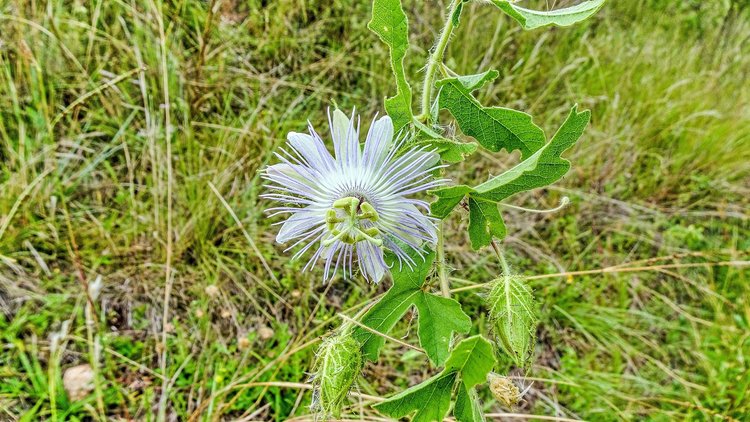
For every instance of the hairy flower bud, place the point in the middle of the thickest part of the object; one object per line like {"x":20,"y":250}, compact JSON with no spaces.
{"x":513,"y":316}
{"x":503,"y":390}
{"x":338,"y":363}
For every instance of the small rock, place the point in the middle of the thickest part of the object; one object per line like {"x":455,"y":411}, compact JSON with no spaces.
{"x":265,"y":333}
{"x":212,"y":290}
{"x":243,"y":343}
{"x":78,"y":381}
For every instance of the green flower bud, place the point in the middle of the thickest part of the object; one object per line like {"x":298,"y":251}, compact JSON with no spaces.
{"x":338,"y":363}
{"x":513,"y":316}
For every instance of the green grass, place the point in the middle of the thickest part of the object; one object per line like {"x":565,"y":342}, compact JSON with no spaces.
{"x":98,"y":98}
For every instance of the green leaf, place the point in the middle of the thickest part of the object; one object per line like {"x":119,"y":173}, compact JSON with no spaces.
{"x":495,"y":128}
{"x":469,"y":363}
{"x":437,"y":317}
{"x":514,"y":318}
{"x":541,"y":169}
{"x":389,"y":22}
{"x":431,"y":399}
{"x":531,"y":19}
{"x":467,"y":408}
{"x":425,"y":131}
{"x":473,"y":358}
{"x":471,"y":83}
{"x":456,"y":16}
{"x":448,"y":198}
{"x":450,"y":151}
{"x":485,"y":223}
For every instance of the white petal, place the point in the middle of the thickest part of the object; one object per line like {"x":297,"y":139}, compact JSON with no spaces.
{"x":371,"y":261}
{"x":300,"y":223}
{"x":345,"y":139}
{"x":311,"y":149}
{"x":295,"y":179}
{"x":379,"y":142}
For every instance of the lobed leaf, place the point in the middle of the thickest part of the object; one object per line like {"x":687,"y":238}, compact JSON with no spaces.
{"x":495,"y":128}
{"x":468,"y":365}
{"x":532,"y":19}
{"x":447,"y":199}
{"x":456,"y":16}
{"x":545,"y":167}
{"x":485,"y":223}
{"x":473,"y":358}
{"x":450,"y":151}
{"x":437,"y":317}
{"x":467,"y":408}
{"x":389,"y":22}
{"x":542,"y":168}
{"x":471,"y":83}
{"x":431,"y":400}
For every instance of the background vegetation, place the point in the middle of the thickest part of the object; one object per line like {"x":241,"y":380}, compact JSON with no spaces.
{"x":132,"y":132}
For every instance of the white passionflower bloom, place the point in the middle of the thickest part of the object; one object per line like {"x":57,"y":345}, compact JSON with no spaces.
{"x":356,"y":202}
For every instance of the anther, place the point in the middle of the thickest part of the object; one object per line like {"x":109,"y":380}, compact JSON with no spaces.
{"x":348,"y":204}
{"x":368,"y":212}
{"x":364,"y":236}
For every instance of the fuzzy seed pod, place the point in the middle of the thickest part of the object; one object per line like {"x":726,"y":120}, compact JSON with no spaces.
{"x":513,"y":316}
{"x":338,"y":363}
{"x":504,"y":390}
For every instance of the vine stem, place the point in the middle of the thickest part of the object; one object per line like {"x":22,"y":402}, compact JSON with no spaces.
{"x":433,"y":63}
{"x":436,"y":59}
{"x":442,"y":269}
{"x":501,"y":257}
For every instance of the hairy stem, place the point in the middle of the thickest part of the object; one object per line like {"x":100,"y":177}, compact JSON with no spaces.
{"x":442,"y":269}
{"x":434,"y":63}
{"x":436,"y":60}
{"x":501,"y":257}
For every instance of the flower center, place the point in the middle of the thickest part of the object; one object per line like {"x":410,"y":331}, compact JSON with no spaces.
{"x":347,"y":219}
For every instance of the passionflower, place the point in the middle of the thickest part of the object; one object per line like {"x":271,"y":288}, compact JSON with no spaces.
{"x":357,"y":203}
